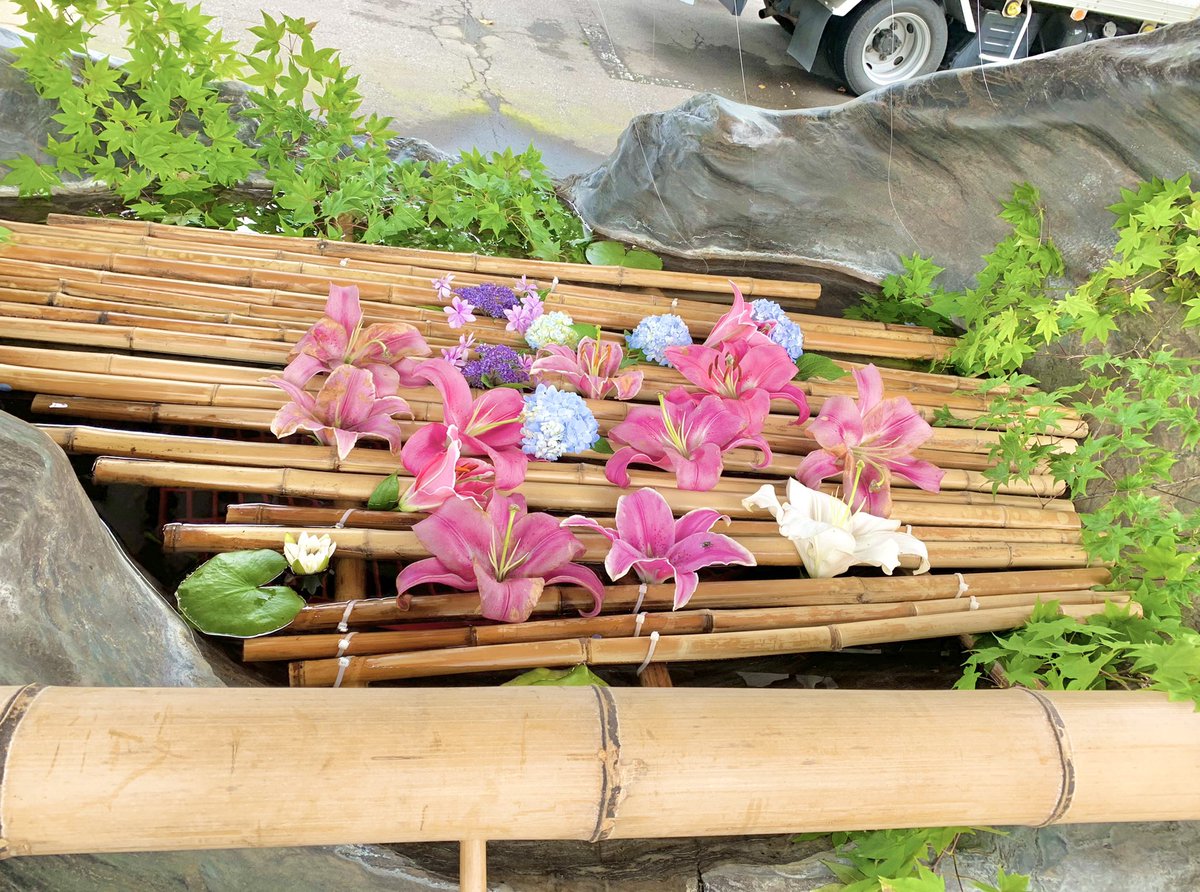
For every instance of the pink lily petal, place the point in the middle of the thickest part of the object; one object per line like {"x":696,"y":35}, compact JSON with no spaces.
{"x":510,"y":466}
{"x":708,"y":549}
{"x":872,"y":494}
{"x":797,"y":398}
{"x":616,"y":469}
{"x":870,"y":388}
{"x":622,"y":556}
{"x":628,"y":384}
{"x":701,"y":472}
{"x":685,"y":586}
{"x":303,"y":368}
{"x":574,"y":574}
{"x":839,"y":423}
{"x":816,"y":466}
{"x":456,"y":532}
{"x":652,"y":571}
{"x":291,"y":418}
{"x":548,"y":544}
{"x":424,"y":447}
{"x":507,"y":601}
{"x":645,"y":521}
{"x":343,"y":307}
{"x":922,"y":474}
{"x":431,"y":570}
{"x":578,"y":520}
{"x":737,"y":324}
{"x":344,"y":440}
{"x":894,"y":426}
{"x":698,"y":520}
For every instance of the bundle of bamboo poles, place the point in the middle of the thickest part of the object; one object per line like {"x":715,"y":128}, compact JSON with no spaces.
{"x":147,"y":327}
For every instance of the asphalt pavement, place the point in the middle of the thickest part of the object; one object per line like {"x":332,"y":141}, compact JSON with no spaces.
{"x":566,"y":75}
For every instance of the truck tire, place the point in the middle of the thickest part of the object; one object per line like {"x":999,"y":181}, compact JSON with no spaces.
{"x":890,"y":41}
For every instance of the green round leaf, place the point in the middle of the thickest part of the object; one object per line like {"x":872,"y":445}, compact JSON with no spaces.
{"x":642,"y":260}
{"x":223,"y":596}
{"x":606,"y":254}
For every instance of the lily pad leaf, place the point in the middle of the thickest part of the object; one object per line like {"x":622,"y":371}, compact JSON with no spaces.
{"x":606,"y":254}
{"x":579,"y":676}
{"x":227,"y":595}
{"x":642,"y":260}
{"x":812,"y":365}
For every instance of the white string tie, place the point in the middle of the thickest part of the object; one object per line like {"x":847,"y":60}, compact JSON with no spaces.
{"x":963,"y":588}
{"x":649,"y":653}
{"x":909,"y":529}
{"x":974,"y":603}
{"x":674,"y":302}
{"x":344,"y":625}
{"x":345,"y":517}
{"x":641,"y":597}
{"x":638,"y":621}
{"x":344,"y":644}
{"x":343,"y":662}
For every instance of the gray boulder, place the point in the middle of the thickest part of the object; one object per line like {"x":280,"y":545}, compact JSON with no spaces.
{"x":840,"y":193}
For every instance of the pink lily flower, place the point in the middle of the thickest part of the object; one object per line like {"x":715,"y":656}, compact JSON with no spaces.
{"x":738,"y":324}
{"x":593,"y":369}
{"x":657,"y":547}
{"x":344,"y":410}
{"x":867,"y":443}
{"x":339,"y":338}
{"x":747,"y":375}
{"x":687,"y":434}
{"x":446,"y":477}
{"x":506,"y":554}
{"x":459,"y":312}
{"x":488,"y":426}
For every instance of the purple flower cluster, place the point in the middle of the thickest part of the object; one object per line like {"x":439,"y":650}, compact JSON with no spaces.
{"x":497,"y":364}
{"x":489,"y":298}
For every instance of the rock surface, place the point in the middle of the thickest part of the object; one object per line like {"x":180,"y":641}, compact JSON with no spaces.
{"x":917,"y":167}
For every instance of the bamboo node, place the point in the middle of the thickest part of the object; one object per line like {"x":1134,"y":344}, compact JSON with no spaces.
{"x":609,"y":755}
{"x":1058,"y":727}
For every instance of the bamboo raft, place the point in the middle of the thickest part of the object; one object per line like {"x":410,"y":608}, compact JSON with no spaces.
{"x":129,"y":338}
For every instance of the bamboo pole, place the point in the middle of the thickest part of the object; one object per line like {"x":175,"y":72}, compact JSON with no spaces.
{"x":558,"y":600}
{"x":683,"y":622}
{"x":101,"y":441}
{"x":668,"y":649}
{"x":265,"y":514}
{"x":124,"y":769}
{"x":581,"y":498}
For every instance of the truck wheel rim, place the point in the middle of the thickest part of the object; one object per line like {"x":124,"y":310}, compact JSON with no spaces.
{"x":897,"y":48}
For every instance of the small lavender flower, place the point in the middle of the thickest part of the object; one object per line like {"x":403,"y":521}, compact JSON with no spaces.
{"x":551,"y":328}
{"x":556,"y":422}
{"x":443,"y":286}
{"x":489,"y":298}
{"x":779,"y":328}
{"x":459,"y":313}
{"x":457,"y":355}
{"x":526,"y":288}
{"x":654,"y":334}
{"x":522,"y":316}
{"x":497,"y":364}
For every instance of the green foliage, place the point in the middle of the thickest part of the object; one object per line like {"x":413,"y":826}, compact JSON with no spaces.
{"x":906,"y":298}
{"x":902,"y":860}
{"x":157,"y":130}
{"x":577,"y":676}
{"x":614,"y":254}
{"x":385,"y":496}
{"x":813,"y":365}
{"x":228,"y":595}
{"x":1141,"y":408}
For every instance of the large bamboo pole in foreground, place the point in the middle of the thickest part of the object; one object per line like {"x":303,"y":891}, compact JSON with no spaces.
{"x":125,"y":769}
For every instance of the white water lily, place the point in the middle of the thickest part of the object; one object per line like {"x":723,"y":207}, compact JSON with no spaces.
{"x":310,"y":555}
{"x":830,"y":538}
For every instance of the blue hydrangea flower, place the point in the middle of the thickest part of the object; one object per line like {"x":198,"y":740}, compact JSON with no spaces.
{"x":551,"y":328}
{"x":556,"y":422}
{"x":497,"y":364}
{"x":489,"y":298}
{"x":783,"y":331}
{"x":655,"y":334}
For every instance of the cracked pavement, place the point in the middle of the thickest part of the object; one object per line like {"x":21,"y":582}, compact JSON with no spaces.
{"x":567,"y":75}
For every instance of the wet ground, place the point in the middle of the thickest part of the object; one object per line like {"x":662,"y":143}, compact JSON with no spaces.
{"x":565,"y":74}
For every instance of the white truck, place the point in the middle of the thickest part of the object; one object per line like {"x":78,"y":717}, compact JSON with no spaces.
{"x":873,"y":43}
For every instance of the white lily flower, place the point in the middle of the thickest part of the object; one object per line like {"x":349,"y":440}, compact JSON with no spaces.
{"x":310,"y":555}
{"x":830,"y":538}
